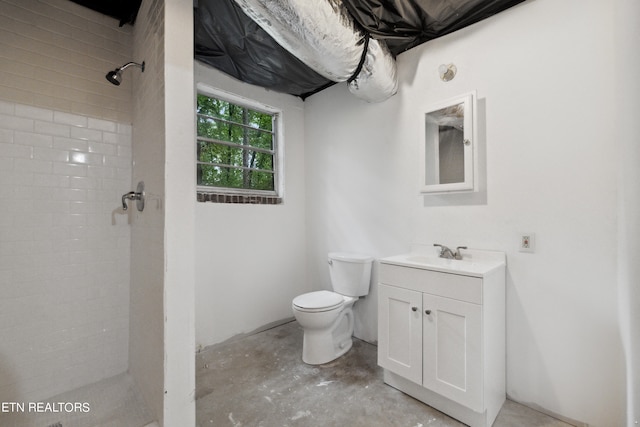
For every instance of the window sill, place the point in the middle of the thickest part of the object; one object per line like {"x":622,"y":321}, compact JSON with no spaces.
{"x":249,"y":199}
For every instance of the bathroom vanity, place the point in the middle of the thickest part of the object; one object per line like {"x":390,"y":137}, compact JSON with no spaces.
{"x":441,"y":331}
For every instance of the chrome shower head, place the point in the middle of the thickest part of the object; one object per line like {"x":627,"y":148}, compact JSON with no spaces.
{"x":115,"y":76}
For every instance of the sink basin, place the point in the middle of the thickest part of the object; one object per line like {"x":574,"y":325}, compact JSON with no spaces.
{"x":434,"y":260}
{"x":473,"y":263}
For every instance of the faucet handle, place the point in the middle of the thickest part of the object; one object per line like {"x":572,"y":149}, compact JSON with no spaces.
{"x":130,"y":196}
{"x":458,"y":255}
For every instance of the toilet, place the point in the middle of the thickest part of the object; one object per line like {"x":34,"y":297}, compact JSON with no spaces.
{"x":327,"y":317}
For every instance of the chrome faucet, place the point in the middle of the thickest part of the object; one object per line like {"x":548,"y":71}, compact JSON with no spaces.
{"x":137,"y":195}
{"x":131,"y":195}
{"x":445,"y":252}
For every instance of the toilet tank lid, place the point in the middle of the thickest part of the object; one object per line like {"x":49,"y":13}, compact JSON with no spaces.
{"x":350,"y":257}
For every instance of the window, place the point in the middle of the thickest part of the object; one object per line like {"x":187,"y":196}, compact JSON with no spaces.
{"x":236,"y":149}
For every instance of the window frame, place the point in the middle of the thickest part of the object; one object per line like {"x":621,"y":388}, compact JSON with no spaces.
{"x":251,"y":104}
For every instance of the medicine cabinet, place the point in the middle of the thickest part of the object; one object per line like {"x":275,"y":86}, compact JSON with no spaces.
{"x":447,"y":146}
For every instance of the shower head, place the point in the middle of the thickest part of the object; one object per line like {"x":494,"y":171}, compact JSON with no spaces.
{"x":115,"y":76}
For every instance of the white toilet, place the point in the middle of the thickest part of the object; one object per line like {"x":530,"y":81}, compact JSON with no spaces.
{"x":327,"y":317}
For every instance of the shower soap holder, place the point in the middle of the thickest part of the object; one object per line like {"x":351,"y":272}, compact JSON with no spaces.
{"x":137,"y":195}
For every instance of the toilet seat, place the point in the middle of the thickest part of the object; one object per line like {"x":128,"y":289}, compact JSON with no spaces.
{"x":318,"y":301}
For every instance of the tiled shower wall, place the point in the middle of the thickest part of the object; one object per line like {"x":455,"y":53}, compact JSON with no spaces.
{"x":64,"y":250}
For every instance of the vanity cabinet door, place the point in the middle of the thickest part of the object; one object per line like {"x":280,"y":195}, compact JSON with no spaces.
{"x":452,"y":365}
{"x":400,"y":331}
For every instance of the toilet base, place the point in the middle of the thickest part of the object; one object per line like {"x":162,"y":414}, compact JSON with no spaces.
{"x":317,"y":351}
{"x":324,"y":346}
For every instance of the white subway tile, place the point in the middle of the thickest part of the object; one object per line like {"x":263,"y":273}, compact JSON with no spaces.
{"x":117,"y":162}
{"x":79,"y":182}
{"x":11,"y":234}
{"x":79,"y":257}
{"x":6,"y":136}
{"x":116,"y":138}
{"x":69,"y":219}
{"x":102,"y":195}
{"x":86,"y":134}
{"x":6,"y":164}
{"x":23,"y":178}
{"x":113,"y":184}
{"x":70,"y":144}
{"x":72,"y":245}
{"x":59,"y":247}
{"x":54,"y":206}
{"x":15,"y":123}
{"x":125,"y":129}
{"x":53,"y":129}
{"x":84,"y":207}
{"x":40,"y":153}
{"x":70,"y":194}
{"x":75,"y":270}
{"x":33,"y":139}
{"x":14,"y":150}
{"x":86,"y":158}
{"x":34,"y":219}
{"x":102,"y":148}
{"x":99,"y":171}
{"x":109,"y":138}
{"x":70,"y":119}
{"x":124,"y":151}
{"x":41,"y":180}
{"x":30,"y":165}
{"x":33,"y":112}
{"x":69,"y":169}
{"x":103,"y":125}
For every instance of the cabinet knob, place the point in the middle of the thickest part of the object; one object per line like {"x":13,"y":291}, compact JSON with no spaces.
{"x":414,"y":308}
{"x":427,"y":312}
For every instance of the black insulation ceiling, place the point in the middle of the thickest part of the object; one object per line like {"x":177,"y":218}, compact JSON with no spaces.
{"x":226,"y":39}
{"x":125,"y":11}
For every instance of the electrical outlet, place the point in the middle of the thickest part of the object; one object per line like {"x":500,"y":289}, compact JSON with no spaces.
{"x":527,"y":242}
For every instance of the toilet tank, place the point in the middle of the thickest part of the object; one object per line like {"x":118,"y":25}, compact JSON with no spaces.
{"x":350,"y":273}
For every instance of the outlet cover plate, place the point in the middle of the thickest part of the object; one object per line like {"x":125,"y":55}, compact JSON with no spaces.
{"x":527,"y":242}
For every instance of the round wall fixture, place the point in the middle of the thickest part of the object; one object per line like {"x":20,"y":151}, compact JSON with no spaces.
{"x":447,"y":72}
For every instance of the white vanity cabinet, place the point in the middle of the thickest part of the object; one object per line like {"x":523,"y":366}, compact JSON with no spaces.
{"x":441,"y":332}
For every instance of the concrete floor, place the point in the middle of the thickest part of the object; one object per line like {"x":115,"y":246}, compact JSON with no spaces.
{"x":260,"y":380}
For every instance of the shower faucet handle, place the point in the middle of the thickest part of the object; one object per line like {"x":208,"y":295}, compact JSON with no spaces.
{"x":131,"y":195}
{"x":137,"y":195}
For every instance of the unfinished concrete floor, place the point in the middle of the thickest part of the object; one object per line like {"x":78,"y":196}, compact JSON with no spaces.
{"x":260,"y":380}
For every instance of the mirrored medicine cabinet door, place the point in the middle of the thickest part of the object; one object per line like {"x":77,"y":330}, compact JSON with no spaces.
{"x":447,"y":147}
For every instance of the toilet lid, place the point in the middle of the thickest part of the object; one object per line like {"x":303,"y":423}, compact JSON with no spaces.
{"x":318,"y":301}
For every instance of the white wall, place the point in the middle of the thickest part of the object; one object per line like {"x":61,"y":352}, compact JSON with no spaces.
{"x":179,"y":289}
{"x":250,"y":259}
{"x":542,"y":71}
{"x":147,"y":340}
{"x":627,"y":68}
{"x":162,"y":280}
{"x":65,"y":160}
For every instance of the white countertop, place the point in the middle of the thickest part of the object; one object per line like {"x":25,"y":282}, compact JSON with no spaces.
{"x":477,"y":263}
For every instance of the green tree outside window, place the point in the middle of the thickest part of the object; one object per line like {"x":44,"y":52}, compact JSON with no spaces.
{"x":235,"y":146}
